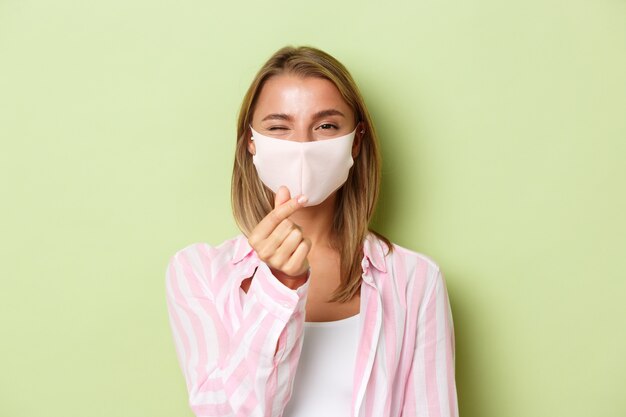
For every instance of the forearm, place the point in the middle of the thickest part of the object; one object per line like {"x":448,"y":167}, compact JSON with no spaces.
{"x":243,"y":380}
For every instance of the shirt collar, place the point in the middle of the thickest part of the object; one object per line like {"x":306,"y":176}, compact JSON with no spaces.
{"x":242,"y":249}
{"x":373,"y":251}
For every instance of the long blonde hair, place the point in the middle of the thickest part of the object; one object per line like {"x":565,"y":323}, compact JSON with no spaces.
{"x":356,"y":200}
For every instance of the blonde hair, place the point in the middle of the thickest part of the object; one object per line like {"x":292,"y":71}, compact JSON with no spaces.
{"x":356,"y":199}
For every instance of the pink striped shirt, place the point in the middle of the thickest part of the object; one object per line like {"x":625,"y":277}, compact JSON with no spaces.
{"x":405,"y":360}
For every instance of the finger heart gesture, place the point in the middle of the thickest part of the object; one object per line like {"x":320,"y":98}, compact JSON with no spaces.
{"x":278,"y":241}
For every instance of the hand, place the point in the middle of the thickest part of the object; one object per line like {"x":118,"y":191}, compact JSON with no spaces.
{"x":279,"y":242}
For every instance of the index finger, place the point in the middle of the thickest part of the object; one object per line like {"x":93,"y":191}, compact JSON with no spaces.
{"x":280,"y":213}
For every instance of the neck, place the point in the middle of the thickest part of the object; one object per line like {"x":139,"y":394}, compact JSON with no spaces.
{"x":317,"y":222}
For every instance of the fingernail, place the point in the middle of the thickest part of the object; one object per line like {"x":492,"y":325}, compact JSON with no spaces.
{"x":302,"y":199}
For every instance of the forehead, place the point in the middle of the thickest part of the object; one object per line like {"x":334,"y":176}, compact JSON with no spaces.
{"x":292,"y":94}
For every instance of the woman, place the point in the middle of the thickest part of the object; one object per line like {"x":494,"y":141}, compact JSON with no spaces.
{"x":308,"y":313}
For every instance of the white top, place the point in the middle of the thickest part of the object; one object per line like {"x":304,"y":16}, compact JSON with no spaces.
{"x":324,"y":379}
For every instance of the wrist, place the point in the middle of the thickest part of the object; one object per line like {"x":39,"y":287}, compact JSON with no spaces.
{"x":291,"y":281}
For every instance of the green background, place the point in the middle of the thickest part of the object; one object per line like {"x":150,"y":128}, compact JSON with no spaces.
{"x":503,"y":129}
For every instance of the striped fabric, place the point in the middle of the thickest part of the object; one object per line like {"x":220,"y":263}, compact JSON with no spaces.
{"x":239,"y":358}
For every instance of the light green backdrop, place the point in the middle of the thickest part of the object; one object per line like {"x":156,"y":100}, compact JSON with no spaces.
{"x":503,"y":131}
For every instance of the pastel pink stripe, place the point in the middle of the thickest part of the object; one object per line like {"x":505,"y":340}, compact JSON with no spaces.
{"x":430,"y":356}
{"x":370,"y":321}
{"x":204,"y":253}
{"x":196,"y":322}
{"x":452,"y":400}
{"x":212,"y":409}
{"x":410,"y":328}
{"x":178,"y":298}
{"x":393,"y":317}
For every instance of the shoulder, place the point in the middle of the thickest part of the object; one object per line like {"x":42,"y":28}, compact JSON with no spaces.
{"x":198,"y":260}
{"x":392,"y":253}
{"x":203,"y":250}
{"x":408,"y":268}
{"x":401,"y":253}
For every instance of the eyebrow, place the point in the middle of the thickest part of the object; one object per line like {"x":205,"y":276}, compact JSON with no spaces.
{"x":318,"y":115}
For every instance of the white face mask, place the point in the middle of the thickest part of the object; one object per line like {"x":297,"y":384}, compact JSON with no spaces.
{"x":314,"y":169}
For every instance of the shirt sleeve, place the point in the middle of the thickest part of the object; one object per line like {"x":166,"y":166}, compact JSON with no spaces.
{"x":235,"y":370}
{"x":431,"y":389}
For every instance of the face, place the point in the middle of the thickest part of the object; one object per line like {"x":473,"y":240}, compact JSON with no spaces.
{"x":303,"y":109}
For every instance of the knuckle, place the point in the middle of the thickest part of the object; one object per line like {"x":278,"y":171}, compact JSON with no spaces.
{"x":275,"y":216}
{"x":279,"y":261}
{"x":261,"y":251}
{"x":276,"y":257}
{"x":289,"y":270}
{"x":297,"y":233}
{"x":282,"y":257}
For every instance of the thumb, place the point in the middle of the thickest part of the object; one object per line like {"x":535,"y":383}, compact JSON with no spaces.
{"x":282,"y":196}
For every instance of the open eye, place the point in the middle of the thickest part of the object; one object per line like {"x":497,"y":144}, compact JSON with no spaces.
{"x":327,"y":126}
